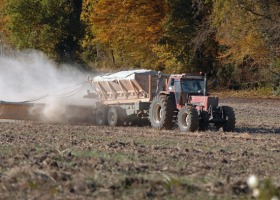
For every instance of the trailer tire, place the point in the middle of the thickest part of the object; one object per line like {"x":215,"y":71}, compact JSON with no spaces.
{"x":161,"y":112}
{"x":229,"y":116}
{"x":101,"y":116}
{"x":114,"y":117}
{"x":188,"y":120}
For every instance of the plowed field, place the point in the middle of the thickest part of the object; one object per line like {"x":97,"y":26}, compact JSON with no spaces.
{"x":58,"y":161}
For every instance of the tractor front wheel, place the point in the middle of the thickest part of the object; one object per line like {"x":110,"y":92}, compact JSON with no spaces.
{"x":229,"y":116}
{"x":188,"y":120}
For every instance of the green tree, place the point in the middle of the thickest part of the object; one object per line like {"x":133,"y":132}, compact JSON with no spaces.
{"x":179,"y":29}
{"x":247,"y":34}
{"x":239,"y":30}
{"x":188,"y":43}
{"x":48,"y":25}
{"x":3,"y":21}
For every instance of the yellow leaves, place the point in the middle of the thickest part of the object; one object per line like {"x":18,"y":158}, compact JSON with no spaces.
{"x":125,"y":18}
{"x":167,"y":58}
{"x":131,"y":27}
{"x":239,"y":30}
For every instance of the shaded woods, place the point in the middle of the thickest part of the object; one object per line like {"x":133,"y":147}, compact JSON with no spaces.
{"x":237,"y":42}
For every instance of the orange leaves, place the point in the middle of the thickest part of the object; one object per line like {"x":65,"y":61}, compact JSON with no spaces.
{"x":136,"y":20}
{"x":3,"y":19}
{"x":130,"y":26}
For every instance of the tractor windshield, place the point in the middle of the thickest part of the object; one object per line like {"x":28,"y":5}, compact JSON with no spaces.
{"x":193,"y":85}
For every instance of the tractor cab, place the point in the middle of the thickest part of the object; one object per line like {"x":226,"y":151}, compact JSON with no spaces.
{"x":186,"y":87}
{"x":185,"y":100}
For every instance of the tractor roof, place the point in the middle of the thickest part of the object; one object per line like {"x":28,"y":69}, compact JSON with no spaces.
{"x":188,"y":76}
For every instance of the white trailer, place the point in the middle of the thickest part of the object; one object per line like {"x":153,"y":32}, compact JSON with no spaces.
{"x":125,"y":95}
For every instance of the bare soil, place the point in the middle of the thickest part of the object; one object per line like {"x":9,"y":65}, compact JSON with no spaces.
{"x":64,"y":161}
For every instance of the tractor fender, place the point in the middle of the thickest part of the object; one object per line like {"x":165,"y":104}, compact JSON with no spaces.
{"x":171,"y":96}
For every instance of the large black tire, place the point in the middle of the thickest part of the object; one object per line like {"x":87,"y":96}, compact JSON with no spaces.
{"x":161,"y":112}
{"x":229,"y":116}
{"x":101,"y":116}
{"x":188,"y":120}
{"x":114,"y":117}
{"x":203,"y":121}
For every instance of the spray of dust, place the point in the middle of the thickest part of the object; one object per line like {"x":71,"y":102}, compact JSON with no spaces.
{"x":32,"y":77}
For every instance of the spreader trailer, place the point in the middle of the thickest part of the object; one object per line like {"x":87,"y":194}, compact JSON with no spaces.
{"x":136,"y":95}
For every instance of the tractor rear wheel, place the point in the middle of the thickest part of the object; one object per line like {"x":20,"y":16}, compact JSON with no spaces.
{"x":229,"y":116}
{"x":114,"y":117}
{"x":188,"y":120}
{"x":161,"y":112}
{"x":101,"y":115}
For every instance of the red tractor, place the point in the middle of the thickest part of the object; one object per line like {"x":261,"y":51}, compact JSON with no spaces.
{"x":185,"y":100}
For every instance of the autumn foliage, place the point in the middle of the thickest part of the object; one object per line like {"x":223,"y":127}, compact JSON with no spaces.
{"x":235,"y":41}
{"x":129,"y":29}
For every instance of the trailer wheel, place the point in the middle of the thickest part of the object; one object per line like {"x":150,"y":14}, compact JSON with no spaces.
{"x":229,"y":116}
{"x":101,"y":116}
{"x":114,"y":117}
{"x":161,"y":112}
{"x":188,"y":120}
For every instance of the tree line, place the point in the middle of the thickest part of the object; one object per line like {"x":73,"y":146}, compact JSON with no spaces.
{"x":237,"y":42}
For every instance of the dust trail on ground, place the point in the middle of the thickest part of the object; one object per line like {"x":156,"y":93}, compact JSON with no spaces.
{"x":32,"y":77}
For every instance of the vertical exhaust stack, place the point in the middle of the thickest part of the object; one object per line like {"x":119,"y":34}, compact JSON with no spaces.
{"x":205,"y":85}
{"x":150,"y":87}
